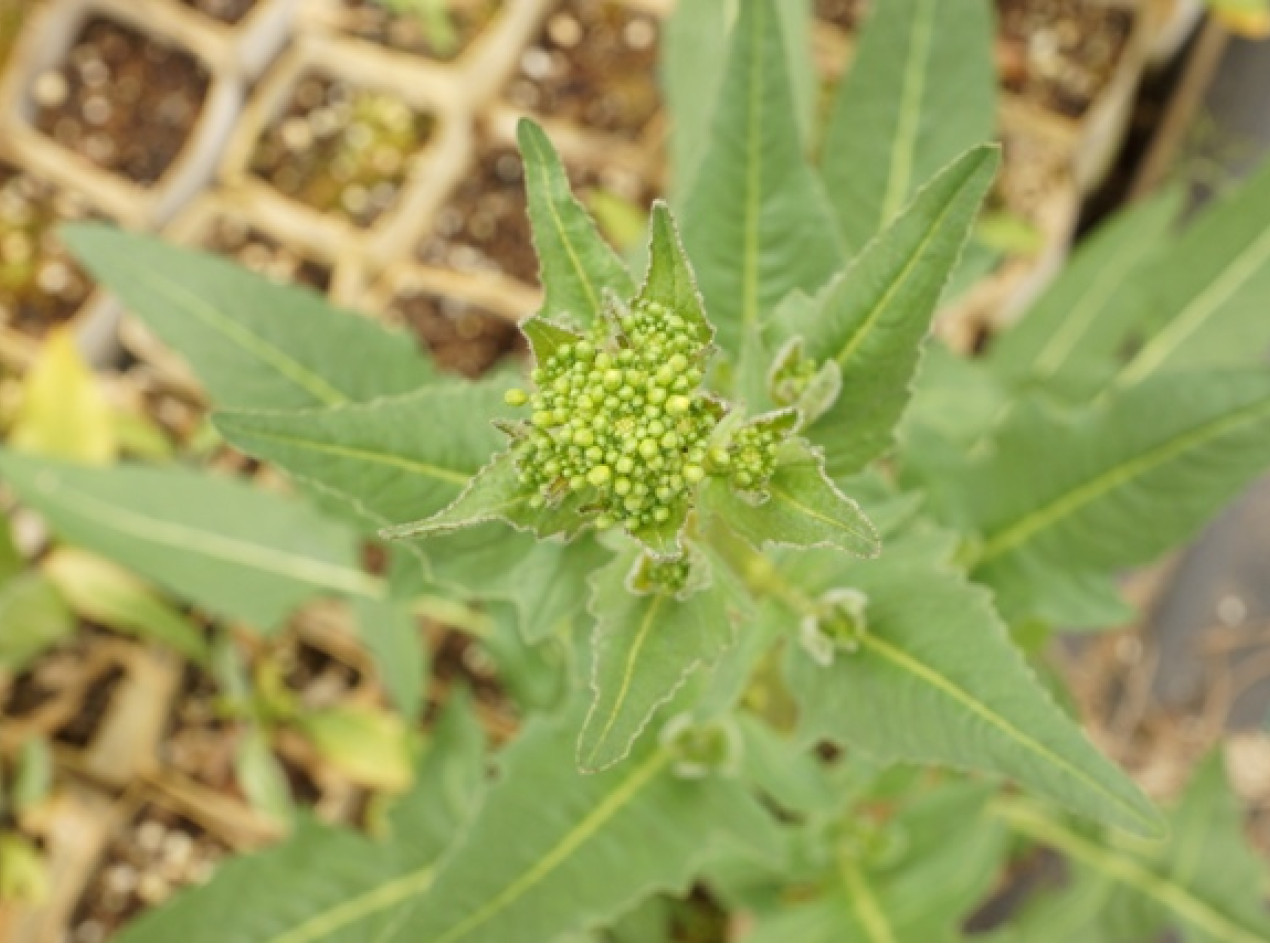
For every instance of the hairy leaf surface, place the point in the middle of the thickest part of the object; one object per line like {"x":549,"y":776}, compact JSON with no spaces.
{"x":575,"y":263}
{"x":935,"y":679}
{"x":587,"y":846}
{"x":871,"y":320}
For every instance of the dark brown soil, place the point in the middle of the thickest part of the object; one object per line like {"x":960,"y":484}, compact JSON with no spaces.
{"x":594,"y":63}
{"x":485,"y":227}
{"x":121,"y":100}
{"x":462,"y":337}
{"x":227,"y":11}
{"x":844,"y":14}
{"x":1060,"y":53}
{"x":263,"y":254}
{"x":340,"y":149}
{"x":396,"y":25}
{"x":157,"y":853}
{"x":40,"y":285}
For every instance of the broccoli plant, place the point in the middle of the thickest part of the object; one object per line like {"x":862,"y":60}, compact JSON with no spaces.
{"x":753,"y":558}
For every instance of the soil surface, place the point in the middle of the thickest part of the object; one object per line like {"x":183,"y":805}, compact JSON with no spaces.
{"x":595,"y":64}
{"x":408,"y":26}
{"x":121,"y":100}
{"x":40,"y":285}
{"x":461,"y":337}
{"x":340,"y":149}
{"x":1060,"y":53}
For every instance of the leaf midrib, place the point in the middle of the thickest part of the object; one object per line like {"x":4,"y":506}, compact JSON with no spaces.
{"x":217,"y":546}
{"x":865,"y":903}
{"x":449,"y":476}
{"x":1070,"y":502}
{"x":622,"y":794}
{"x":932,"y":677}
{"x":1026,"y":819}
{"x":913,"y":87}
{"x":628,"y":673}
{"x":294,"y":371}
{"x":754,"y":171}
{"x":575,"y":261}
{"x":380,"y":898}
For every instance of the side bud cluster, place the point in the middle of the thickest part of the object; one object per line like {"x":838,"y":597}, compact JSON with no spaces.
{"x":619,"y":419}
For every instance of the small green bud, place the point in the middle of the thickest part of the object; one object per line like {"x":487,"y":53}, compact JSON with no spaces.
{"x":622,"y":487}
{"x":542,"y":418}
{"x":693,"y":474}
{"x":678,"y":405}
{"x":515,"y":397}
{"x":599,"y":475}
{"x":624,"y":465}
{"x":648,"y":448}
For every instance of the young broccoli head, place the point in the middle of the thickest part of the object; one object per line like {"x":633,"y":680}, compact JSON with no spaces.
{"x":619,"y":419}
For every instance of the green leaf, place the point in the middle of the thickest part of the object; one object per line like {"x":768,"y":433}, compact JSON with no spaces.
{"x":546,"y":337}
{"x":871,"y":320}
{"x":391,"y":634}
{"x":803,"y":508}
{"x":100,"y":591}
{"x":755,"y":223}
{"x":11,"y":562}
{"x":32,"y":777}
{"x":921,"y":90}
{"x":254,"y":344}
{"x":34,"y":617}
{"x":495,"y":493}
{"x":576,"y":264}
{"x":915,"y":879}
{"x":384,"y":461}
{"x":1204,"y":879}
{"x":581,"y":855}
{"x":670,"y":280}
{"x":645,"y":646}
{"x":1073,"y":333}
{"x":695,"y":46}
{"x":954,"y":689}
{"x":1123,"y":481}
{"x":237,"y":550}
{"x":326,"y":883}
{"x":1204,"y":303}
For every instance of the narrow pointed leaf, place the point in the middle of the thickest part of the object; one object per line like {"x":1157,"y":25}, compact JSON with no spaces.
{"x":384,"y":461}
{"x":581,"y":856}
{"x":546,"y":337}
{"x":328,"y":883}
{"x":236,"y":550}
{"x":670,"y":280}
{"x":1204,"y":879}
{"x":871,"y":320}
{"x":921,"y":90}
{"x":645,"y":646}
{"x":576,"y":264}
{"x":803,"y":509}
{"x":1122,"y":482}
{"x":936,"y":680}
{"x":1205,"y":303}
{"x":254,"y":344}
{"x":1074,"y":331}
{"x":755,"y":223}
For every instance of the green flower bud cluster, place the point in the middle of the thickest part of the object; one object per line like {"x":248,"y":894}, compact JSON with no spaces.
{"x":665,"y":576}
{"x":792,"y":380}
{"x":751,"y":456}
{"x":619,"y":419}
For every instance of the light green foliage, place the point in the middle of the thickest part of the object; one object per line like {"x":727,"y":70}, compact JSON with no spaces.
{"x":576,"y":263}
{"x":756,"y":224}
{"x":1203,"y":881}
{"x":921,"y":90}
{"x":871,"y":320}
{"x":239,"y":551}
{"x":655,"y":552}
{"x":956,"y":690}
{"x":252,"y":343}
{"x":655,"y":624}
{"x":559,"y":874}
